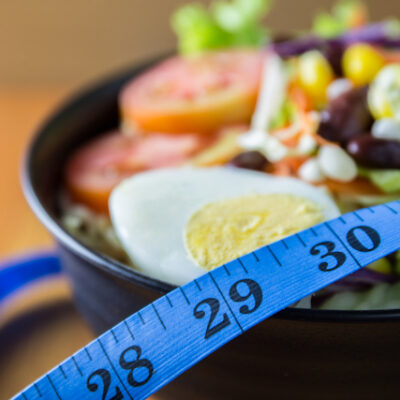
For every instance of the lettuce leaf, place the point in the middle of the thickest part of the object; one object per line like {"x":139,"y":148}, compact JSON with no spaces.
{"x":345,"y":15}
{"x":397,"y":262}
{"x":388,"y":180}
{"x":223,"y":24}
{"x":286,"y":115}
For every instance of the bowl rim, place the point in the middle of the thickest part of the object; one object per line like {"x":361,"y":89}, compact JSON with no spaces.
{"x":116,"y":268}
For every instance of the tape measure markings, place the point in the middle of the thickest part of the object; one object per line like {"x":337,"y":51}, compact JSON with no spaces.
{"x":37,"y":390}
{"x":53,"y":387}
{"x":300,"y":239}
{"x":151,"y":347}
{"x":76,"y":365}
{"x":226,"y":302}
{"x":344,"y":245}
{"x":62,"y":371}
{"x":391,"y":209}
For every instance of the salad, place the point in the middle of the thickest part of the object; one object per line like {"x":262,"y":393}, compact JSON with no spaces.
{"x":242,"y":139}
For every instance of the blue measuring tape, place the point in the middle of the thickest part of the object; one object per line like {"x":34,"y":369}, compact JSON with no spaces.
{"x":14,"y":275}
{"x":153,"y":346}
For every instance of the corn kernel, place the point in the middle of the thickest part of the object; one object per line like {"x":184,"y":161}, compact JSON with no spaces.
{"x":361,"y":63}
{"x":315,"y":74}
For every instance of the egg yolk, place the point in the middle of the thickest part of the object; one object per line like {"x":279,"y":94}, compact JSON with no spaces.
{"x":224,"y":230}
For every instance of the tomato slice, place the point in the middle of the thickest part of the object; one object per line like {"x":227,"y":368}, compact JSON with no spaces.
{"x":194,"y":94}
{"x":96,"y":168}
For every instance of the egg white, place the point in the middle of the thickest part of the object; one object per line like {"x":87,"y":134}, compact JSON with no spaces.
{"x":150,"y":210}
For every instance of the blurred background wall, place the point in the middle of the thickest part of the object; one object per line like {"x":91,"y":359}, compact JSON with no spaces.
{"x":58,"y":42}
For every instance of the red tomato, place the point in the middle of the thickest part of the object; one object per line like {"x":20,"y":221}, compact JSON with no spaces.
{"x":96,"y":168}
{"x":194,"y":94}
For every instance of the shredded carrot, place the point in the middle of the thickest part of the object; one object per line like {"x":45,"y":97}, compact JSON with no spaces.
{"x":304,"y":106}
{"x":360,"y":17}
{"x":300,"y":98}
{"x":358,"y":186}
{"x":292,"y":141}
{"x":321,"y":141}
{"x":287,"y":166}
{"x":391,"y":56}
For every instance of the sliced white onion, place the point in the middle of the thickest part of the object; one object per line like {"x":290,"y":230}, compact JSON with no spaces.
{"x":289,"y":132}
{"x":307,"y":144}
{"x":274,"y":150}
{"x":335,"y":163}
{"x":270,"y":100}
{"x":252,"y":140}
{"x":272,"y":92}
{"x":311,"y":171}
{"x":338,"y":87}
{"x":386,"y":128}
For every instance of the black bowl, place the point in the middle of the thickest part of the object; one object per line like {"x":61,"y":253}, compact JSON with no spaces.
{"x":302,"y":353}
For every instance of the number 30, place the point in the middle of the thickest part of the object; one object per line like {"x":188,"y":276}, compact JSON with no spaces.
{"x":353,"y":241}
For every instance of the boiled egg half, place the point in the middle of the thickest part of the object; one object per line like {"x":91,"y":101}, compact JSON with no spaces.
{"x":176,"y":224}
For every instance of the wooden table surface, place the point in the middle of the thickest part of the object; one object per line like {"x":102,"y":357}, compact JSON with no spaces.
{"x":39,"y":327}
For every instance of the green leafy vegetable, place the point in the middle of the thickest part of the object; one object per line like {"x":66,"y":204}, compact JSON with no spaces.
{"x":286,"y":115}
{"x":393,"y":27}
{"x":382,"y":266}
{"x":382,"y":296}
{"x":397,"y":262}
{"x":345,"y":15}
{"x":388,"y":180}
{"x":223,"y":24}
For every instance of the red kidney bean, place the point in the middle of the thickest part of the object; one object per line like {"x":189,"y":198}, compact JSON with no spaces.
{"x":346,"y":117}
{"x":375,"y":153}
{"x":333,"y":52}
{"x":249,"y":160}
